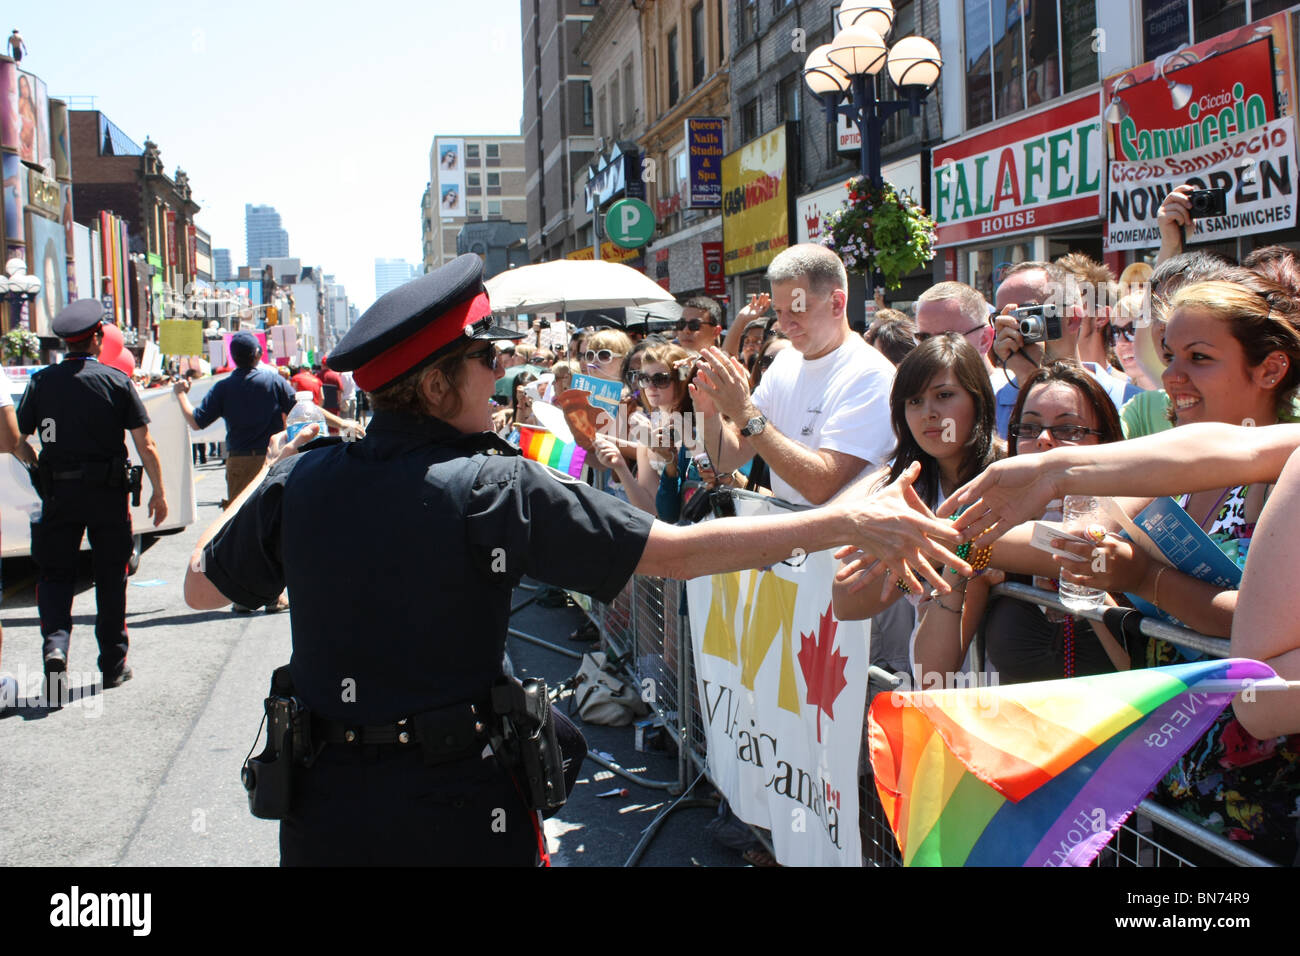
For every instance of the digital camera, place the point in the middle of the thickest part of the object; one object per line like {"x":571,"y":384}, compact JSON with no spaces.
{"x":1208,"y":203}
{"x":1039,"y":323}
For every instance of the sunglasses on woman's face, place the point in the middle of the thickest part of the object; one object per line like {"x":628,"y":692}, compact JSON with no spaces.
{"x":1127,"y":332}
{"x":692,"y":325}
{"x":766,"y":361}
{"x":487,"y":356}
{"x":1029,"y":431}
{"x":603,"y":357}
{"x":658,"y":380}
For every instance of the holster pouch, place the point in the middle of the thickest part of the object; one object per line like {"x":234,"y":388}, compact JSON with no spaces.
{"x":134,"y":482}
{"x":268,"y":777}
{"x":529,"y":741}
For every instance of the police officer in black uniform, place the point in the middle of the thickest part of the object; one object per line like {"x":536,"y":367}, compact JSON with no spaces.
{"x":397,"y":667}
{"x":80,"y":409}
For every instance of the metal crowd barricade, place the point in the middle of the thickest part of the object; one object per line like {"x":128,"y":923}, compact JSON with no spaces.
{"x":648,"y":622}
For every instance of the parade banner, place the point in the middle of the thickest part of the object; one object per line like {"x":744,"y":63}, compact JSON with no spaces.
{"x":755,"y":203}
{"x":180,"y":337}
{"x":1041,"y":171}
{"x":451,"y":176}
{"x":704,"y":149}
{"x":1257,"y":169}
{"x":782,"y":688}
{"x":1221,"y":87}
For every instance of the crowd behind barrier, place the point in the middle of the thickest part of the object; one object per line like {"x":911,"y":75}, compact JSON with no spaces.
{"x":647,"y":625}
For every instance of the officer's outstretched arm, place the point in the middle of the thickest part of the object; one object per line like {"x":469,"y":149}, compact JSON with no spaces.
{"x":153,"y":468}
{"x":892,"y":525}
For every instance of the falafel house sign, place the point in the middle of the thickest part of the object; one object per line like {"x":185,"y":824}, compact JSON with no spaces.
{"x":782,"y":688}
{"x":1042,"y":171}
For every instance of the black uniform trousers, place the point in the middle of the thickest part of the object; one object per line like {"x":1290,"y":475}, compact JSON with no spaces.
{"x":378,"y":806}
{"x":70,"y":508}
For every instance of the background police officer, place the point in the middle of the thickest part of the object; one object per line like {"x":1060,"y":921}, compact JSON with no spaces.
{"x":79,"y":409}
{"x":398,"y":681}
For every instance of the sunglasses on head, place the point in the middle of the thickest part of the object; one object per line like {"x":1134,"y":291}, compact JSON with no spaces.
{"x":487,"y":356}
{"x":601,"y":357}
{"x":922,"y":336}
{"x":658,"y":379}
{"x":692,"y":325}
{"x":1029,"y":431}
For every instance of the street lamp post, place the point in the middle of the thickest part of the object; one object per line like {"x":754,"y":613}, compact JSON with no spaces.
{"x":843,"y":74}
{"x":18,"y":287}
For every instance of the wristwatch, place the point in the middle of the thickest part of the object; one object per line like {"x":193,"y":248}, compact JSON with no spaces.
{"x":754,"y":426}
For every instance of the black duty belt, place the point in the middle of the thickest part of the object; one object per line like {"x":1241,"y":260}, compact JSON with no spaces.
{"x":450,"y":733}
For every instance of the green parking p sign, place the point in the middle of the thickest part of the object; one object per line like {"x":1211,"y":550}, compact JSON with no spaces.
{"x":629,"y":223}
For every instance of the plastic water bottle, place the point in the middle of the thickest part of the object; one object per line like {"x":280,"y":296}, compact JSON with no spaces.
{"x":305,"y":413}
{"x":1081,"y":512}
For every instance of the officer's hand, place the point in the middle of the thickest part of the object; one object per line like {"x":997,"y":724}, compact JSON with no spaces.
{"x":158,"y":508}
{"x":181,"y":387}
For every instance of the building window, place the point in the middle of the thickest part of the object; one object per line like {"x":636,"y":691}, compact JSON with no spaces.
{"x":493,"y":151}
{"x":749,"y":120}
{"x":494,"y":208}
{"x":673,"y":89}
{"x":788,"y":93}
{"x":472,"y":179}
{"x":614,"y":124}
{"x":586,"y":104}
{"x":602,"y":115}
{"x":697,"y":44}
{"x":721,"y":31}
{"x":1018,"y":55}
{"x":471,"y":150}
{"x":474,"y":208}
{"x":748,"y":19}
{"x":629,"y":95}
{"x":494,"y":179}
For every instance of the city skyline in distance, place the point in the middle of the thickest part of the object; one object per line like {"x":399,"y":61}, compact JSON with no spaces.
{"x":326,"y":115}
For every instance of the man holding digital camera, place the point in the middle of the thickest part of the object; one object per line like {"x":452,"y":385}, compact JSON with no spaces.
{"x":1039,"y":316}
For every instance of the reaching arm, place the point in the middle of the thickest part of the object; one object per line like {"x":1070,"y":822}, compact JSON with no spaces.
{"x":153,"y":468}
{"x":181,"y":390}
{"x":1199,"y":457}
{"x":893,"y":526}
{"x":9,"y":437}
{"x":1264,"y":627}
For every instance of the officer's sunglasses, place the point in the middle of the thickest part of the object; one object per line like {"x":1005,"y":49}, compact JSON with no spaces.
{"x":692,"y":325}
{"x":658,"y":380}
{"x":487,"y":356}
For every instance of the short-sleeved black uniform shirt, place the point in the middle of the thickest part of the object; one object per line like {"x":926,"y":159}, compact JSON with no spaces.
{"x":251,"y":401}
{"x":80,"y":409}
{"x":401,"y":552}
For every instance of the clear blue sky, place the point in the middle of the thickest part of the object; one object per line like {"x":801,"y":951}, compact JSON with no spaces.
{"x":325,"y":110}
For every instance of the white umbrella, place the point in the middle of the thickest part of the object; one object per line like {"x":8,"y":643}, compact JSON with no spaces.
{"x":571,"y":284}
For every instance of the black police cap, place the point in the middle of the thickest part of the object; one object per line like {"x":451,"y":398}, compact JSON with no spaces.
{"x":79,"y":320}
{"x":416,"y":322}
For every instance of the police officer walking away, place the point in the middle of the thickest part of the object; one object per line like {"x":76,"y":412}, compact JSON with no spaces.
{"x":396,"y":737}
{"x":79,"y":409}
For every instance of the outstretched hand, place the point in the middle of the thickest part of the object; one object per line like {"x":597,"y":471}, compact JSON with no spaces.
{"x":1007,"y":493}
{"x":900,"y":538}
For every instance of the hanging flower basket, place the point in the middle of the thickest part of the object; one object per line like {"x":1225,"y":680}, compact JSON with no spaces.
{"x":879,"y":230}
{"x":20,"y":345}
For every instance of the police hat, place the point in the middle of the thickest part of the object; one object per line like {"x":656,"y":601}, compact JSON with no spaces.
{"x":415,"y":323}
{"x":80,"y":320}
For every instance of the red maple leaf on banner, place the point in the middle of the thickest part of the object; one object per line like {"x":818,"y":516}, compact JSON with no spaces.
{"x":823,"y":667}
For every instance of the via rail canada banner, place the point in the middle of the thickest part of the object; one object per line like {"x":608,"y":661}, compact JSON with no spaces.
{"x":782,"y":688}
{"x":1257,"y":168}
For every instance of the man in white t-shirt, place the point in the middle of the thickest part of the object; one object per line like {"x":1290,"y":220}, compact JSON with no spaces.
{"x":820,"y":416}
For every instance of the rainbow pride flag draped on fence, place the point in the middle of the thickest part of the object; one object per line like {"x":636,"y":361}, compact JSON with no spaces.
{"x":1038,"y":774}
{"x":541,"y":445}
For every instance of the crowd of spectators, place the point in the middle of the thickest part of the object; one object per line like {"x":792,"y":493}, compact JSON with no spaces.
{"x":790,"y":401}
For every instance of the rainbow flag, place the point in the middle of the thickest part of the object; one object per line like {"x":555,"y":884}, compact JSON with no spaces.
{"x":541,"y":445}
{"x":1038,"y":774}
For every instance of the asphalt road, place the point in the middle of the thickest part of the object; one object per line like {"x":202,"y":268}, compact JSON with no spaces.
{"x":148,"y":774}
